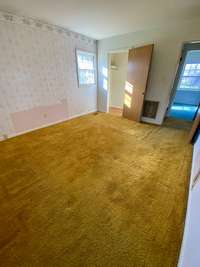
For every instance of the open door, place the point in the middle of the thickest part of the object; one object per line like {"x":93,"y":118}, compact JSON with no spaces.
{"x":139,"y":61}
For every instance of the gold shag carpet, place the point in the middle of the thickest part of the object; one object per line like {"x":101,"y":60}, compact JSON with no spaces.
{"x":95,"y":191}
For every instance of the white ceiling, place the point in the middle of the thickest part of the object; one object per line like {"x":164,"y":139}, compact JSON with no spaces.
{"x":104,"y":18}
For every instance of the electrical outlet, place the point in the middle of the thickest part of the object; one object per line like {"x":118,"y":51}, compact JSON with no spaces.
{"x":45,"y":115}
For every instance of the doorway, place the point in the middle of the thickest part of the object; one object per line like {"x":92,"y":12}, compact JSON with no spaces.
{"x":118,"y":62}
{"x":185,"y":97}
{"x":128,"y":78}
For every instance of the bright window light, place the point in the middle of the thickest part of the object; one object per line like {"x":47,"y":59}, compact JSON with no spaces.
{"x":190,"y":79}
{"x":85,"y":67}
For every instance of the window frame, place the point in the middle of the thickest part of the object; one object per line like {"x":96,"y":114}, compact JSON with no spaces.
{"x":78,"y":69}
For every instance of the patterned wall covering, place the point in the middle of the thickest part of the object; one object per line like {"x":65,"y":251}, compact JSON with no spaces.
{"x":38,"y":69}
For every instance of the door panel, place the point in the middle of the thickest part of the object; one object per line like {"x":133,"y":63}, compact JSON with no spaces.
{"x":139,"y":61}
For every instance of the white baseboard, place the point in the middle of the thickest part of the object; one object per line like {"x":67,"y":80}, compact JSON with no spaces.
{"x":48,"y":124}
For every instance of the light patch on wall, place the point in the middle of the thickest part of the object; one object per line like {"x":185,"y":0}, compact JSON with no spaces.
{"x":129,"y":87}
{"x":105,"y":78}
{"x":128,"y":94}
{"x":127,"y":100}
{"x":105,"y":72}
{"x":105,"y":84}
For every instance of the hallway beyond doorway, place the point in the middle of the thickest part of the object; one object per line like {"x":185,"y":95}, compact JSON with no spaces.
{"x":183,"y":111}
{"x":186,"y":92}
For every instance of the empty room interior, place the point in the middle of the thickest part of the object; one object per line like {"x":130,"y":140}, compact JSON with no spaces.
{"x":99,"y":133}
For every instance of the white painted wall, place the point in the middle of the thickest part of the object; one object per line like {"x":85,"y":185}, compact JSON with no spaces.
{"x":117,"y":78}
{"x":168,"y":42}
{"x":190,"y":251}
{"x":38,"y":78}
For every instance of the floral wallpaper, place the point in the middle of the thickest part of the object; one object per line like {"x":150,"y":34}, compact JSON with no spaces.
{"x":38,"y":69}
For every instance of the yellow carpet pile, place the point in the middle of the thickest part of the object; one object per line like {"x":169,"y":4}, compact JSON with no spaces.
{"x":96,"y":191}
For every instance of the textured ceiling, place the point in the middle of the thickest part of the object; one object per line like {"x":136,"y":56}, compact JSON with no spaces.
{"x":105,"y":18}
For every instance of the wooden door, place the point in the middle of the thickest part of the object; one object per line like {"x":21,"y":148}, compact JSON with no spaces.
{"x":139,"y":61}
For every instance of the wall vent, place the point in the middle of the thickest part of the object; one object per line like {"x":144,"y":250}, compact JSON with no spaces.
{"x":150,"y":109}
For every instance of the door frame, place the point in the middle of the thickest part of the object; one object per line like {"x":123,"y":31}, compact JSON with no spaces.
{"x":110,"y":52}
{"x":185,"y":48}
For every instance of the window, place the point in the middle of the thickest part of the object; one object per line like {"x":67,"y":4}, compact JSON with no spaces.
{"x":85,"y":67}
{"x":190,"y":79}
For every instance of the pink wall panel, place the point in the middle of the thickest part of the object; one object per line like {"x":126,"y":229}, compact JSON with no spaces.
{"x":39,"y":116}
